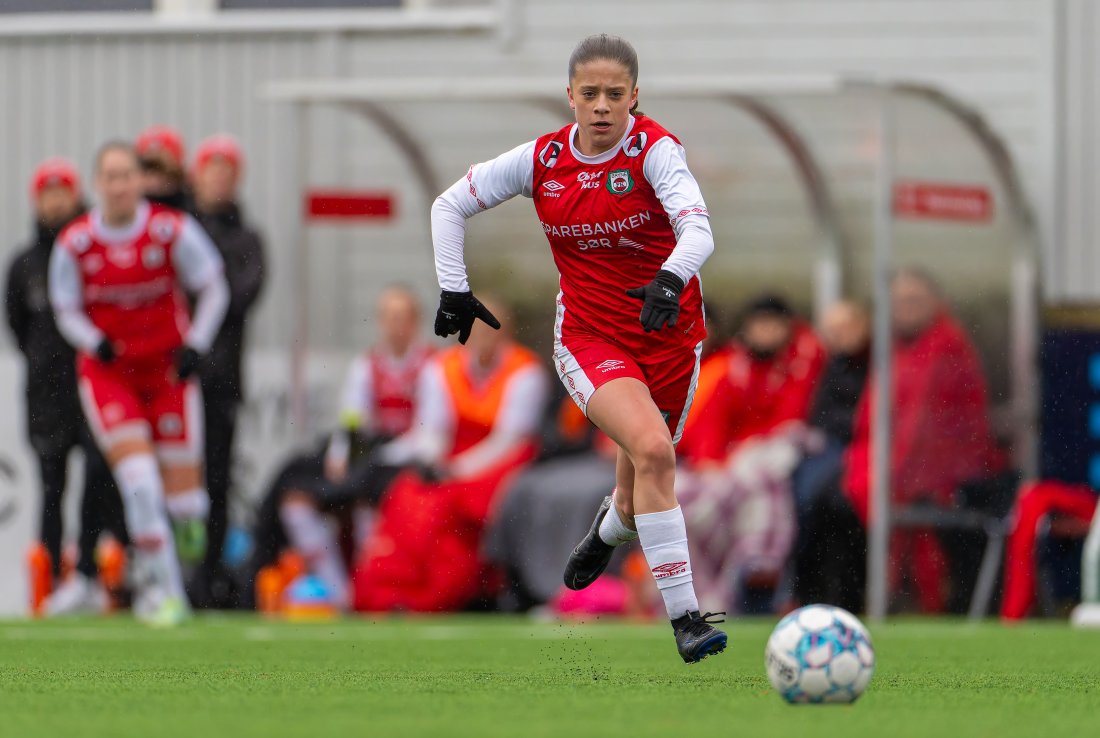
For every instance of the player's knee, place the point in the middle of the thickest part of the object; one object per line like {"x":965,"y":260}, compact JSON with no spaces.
{"x":654,"y":454}
{"x":120,"y":450}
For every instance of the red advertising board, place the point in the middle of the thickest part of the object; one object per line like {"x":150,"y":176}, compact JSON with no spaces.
{"x":348,"y":205}
{"x":941,"y":201}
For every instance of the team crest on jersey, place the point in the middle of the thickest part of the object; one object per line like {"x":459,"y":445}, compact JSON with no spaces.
{"x":152,"y":256}
{"x":619,"y":182}
{"x":635,"y":144}
{"x":549,"y":154}
{"x":123,"y":256}
{"x":163,"y":227}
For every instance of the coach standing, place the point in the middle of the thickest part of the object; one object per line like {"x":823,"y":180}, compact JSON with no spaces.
{"x":55,"y":421}
{"x":216,"y":175}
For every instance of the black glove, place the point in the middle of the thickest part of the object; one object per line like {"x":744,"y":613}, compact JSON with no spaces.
{"x":661,"y":301}
{"x":187,"y":363}
{"x":105,"y":351}
{"x":456,"y":314}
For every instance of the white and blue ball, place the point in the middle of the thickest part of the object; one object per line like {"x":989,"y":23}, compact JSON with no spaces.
{"x":820,"y":653}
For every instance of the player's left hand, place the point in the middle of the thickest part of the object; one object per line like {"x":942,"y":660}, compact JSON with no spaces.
{"x":187,"y":363}
{"x":660,"y":301}
{"x":457,"y":312}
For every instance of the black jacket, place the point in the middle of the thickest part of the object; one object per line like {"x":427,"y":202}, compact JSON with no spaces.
{"x":242,"y":250}
{"x":52,"y":403}
{"x":838,"y":394}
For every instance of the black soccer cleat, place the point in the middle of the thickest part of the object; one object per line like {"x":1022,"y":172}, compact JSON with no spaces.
{"x":591,"y":556}
{"x":696,"y":637}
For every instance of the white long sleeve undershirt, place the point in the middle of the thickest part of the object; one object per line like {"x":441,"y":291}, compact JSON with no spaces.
{"x":490,"y":183}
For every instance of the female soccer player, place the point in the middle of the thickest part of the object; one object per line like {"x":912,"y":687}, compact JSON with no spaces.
{"x":628,"y":229}
{"x":116,"y":282}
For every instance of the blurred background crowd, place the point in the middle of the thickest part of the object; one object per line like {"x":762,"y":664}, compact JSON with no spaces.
{"x":406,"y":474}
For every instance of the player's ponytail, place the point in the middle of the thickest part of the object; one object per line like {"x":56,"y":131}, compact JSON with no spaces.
{"x":612,"y":48}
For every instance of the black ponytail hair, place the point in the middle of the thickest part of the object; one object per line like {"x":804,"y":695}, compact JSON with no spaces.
{"x":612,"y":48}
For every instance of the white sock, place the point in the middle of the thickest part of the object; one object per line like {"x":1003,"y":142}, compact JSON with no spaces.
{"x":192,"y":504}
{"x":142,"y":493}
{"x":308,"y":533}
{"x":664,"y":543}
{"x":613,"y":530}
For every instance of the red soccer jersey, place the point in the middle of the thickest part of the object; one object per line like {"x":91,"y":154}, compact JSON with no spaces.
{"x":130,"y":289}
{"x":393,"y":389}
{"x":609,"y":232}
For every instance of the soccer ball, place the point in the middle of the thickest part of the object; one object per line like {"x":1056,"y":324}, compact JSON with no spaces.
{"x":820,"y":653}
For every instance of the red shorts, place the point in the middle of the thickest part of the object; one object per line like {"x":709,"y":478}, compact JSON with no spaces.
{"x":143,"y":399}
{"x":586,"y":363}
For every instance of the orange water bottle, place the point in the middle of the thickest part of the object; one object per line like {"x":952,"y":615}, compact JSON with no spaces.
{"x":110,"y":558}
{"x":40,"y":571}
{"x":269,"y":589}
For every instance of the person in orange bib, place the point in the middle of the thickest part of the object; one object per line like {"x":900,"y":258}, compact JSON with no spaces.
{"x":479,"y":406}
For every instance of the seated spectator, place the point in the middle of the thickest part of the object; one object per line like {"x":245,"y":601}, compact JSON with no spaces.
{"x":1038,"y":500}
{"x":741,"y":442}
{"x":478,"y":412}
{"x":942,"y":436}
{"x":845,"y":331}
{"x":345,"y":478}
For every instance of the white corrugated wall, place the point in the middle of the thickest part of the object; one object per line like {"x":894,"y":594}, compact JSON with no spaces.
{"x":64,"y":95}
{"x":1074,"y":258}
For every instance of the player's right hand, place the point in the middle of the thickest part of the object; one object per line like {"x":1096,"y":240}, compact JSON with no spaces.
{"x":105,"y":351}
{"x":456,"y":314}
{"x":660,"y":301}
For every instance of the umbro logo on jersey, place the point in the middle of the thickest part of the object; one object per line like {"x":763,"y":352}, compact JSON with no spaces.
{"x":611,"y":365}
{"x":552,"y":188}
{"x":549,"y":154}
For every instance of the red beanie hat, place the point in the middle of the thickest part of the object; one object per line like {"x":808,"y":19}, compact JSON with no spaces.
{"x":160,"y":138}
{"x":221,"y":145}
{"x":54,"y":172}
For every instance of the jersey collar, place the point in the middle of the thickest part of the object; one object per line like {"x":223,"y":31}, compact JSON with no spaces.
{"x":599,"y":158}
{"x":126,"y":233}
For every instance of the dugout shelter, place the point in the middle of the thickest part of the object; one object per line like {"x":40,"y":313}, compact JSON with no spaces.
{"x":818,"y":187}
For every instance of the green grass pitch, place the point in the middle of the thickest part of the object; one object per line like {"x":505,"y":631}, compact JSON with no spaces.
{"x":473,"y":676}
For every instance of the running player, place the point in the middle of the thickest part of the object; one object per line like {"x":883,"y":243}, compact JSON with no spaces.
{"x":629,"y":232}
{"x":116,"y":281}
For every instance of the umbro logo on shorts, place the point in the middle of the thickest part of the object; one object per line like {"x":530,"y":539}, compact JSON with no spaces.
{"x":670,"y":569}
{"x":610,"y":365}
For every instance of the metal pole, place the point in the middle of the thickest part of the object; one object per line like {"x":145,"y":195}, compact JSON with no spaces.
{"x":878,"y":549}
{"x":300,"y":340}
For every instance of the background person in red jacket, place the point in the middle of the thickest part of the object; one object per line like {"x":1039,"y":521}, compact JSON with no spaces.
{"x":742,"y":441}
{"x":478,"y":409}
{"x":942,"y":437}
